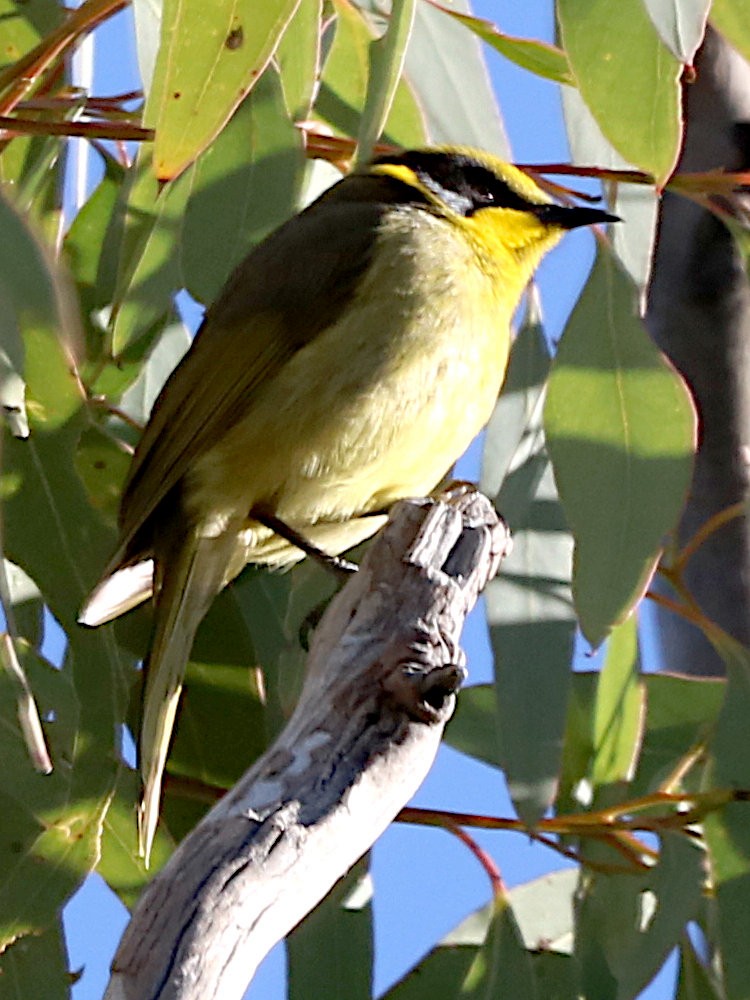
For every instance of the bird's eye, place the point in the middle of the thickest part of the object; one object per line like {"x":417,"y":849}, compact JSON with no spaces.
{"x":488,"y":191}
{"x":481,"y":185}
{"x":484,"y":194}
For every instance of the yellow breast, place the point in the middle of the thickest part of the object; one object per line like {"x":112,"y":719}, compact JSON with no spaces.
{"x":382,"y":403}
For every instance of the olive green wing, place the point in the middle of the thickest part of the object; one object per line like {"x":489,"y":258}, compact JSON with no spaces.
{"x":291,"y":287}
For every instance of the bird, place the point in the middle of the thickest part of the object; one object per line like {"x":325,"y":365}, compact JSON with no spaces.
{"x":348,"y":362}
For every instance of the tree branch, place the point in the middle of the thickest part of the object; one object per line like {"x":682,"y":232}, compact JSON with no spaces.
{"x":382,"y":674}
{"x":699,"y":314}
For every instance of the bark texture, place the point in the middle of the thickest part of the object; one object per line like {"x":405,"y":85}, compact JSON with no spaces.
{"x":382,"y":675}
{"x":699,"y":314}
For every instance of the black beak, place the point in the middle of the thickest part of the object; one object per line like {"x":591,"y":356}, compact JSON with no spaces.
{"x":572,"y":218}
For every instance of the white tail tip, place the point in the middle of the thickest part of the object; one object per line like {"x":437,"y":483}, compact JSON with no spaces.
{"x":120,"y":592}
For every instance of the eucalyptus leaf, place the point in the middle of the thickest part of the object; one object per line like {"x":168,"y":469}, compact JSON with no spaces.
{"x":246,"y":184}
{"x":149,"y":274}
{"x":445,"y":65}
{"x":626,"y":924}
{"x":298,"y":58}
{"x":344,"y":82}
{"x":38,"y":964}
{"x":40,"y":320}
{"x":529,"y":605}
{"x":139,"y":398}
{"x":330,"y":954}
{"x":538,"y":57}
{"x":619,"y":709}
{"x":628,"y":78}
{"x":680,"y":24}
{"x":695,"y":980}
{"x":209,"y":58}
{"x":732,"y":18}
{"x":147,"y":16}
{"x":727,"y":831}
{"x":620,"y":428}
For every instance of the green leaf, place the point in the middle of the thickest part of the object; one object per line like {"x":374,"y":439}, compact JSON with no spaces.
{"x":529,"y":606}
{"x":30,"y":166}
{"x":440,"y":973}
{"x":147,"y":17}
{"x":618,"y":709}
{"x":298,"y":59}
{"x":343,"y":85}
{"x":52,"y":830}
{"x":543,"y":909}
{"x":732,"y":19}
{"x":681,"y":713}
{"x":541,"y":58}
{"x":695,"y":981}
{"x":246,"y":184}
{"x":48,"y":837}
{"x":46,"y":511}
{"x":115,"y":380}
{"x":680,"y":23}
{"x":636,"y":204}
{"x":102,"y":462}
{"x":502,"y":966}
{"x":627,"y":77}
{"x":59,"y":708}
{"x":585,"y":138}
{"x":445,"y":65}
{"x":23,"y":27}
{"x":627,"y":924}
{"x":210,"y":57}
{"x":386,"y":59}
{"x":635,"y":239}
{"x":36,"y":966}
{"x":221,"y":725}
{"x":741,"y":240}
{"x":556,"y":975}
{"x":620,"y":429}
{"x":149,"y":273}
{"x":578,"y":744}
{"x":26,"y":603}
{"x":499,"y":941}
{"x":39,"y":322}
{"x":282,"y":626}
{"x":330,"y":954}
{"x":120,"y":864}
{"x":727,"y":831}
{"x":228,"y":711}
{"x":91,"y":249}
{"x":263,"y":600}
{"x":474,"y":728}
{"x":139,"y":398}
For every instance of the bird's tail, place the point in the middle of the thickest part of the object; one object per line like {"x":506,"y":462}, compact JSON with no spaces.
{"x":194,"y":576}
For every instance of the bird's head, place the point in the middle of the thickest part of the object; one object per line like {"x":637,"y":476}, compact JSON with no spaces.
{"x":501,"y":210}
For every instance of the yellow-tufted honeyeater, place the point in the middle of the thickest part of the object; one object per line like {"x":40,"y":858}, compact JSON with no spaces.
{"x":348,"y":362}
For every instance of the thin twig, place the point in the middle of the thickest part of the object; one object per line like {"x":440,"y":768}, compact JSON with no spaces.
{"x":688,"y":612}
{"x":706,"y":530}
{"x":18,"y":79}
{"x":11,"y":126}
{"x":484,"y":859}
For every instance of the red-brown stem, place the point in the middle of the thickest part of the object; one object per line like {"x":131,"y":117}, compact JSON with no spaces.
{"x":20,"y":77}
{"x":484,"y":859}
{"x":84,"y":130}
